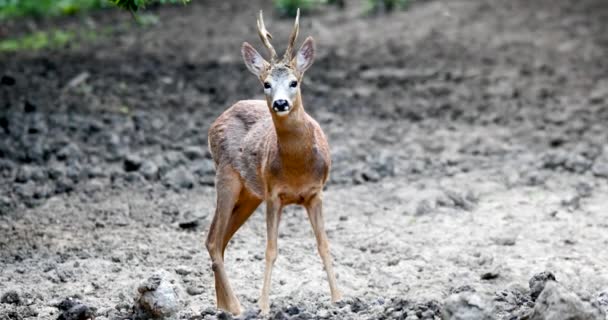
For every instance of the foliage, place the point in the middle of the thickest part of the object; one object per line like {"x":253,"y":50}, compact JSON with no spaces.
{"x":290,"y":7}
{"x":388,"y":5}
{"x":38,"y":40}
{"x":56,"y":39}
{"x":134,"y":5}
{"x":18,"y":8}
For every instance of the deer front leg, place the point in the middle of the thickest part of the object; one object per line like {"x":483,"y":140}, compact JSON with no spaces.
{"x":273,"y":214}
{"x":315,"y":214}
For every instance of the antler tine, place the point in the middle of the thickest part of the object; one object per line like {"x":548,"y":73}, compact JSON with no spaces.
{"x":292,"y":37}
{"x":265,"y":36}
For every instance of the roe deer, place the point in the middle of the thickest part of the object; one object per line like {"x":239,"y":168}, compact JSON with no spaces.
{"x":270,"y":151}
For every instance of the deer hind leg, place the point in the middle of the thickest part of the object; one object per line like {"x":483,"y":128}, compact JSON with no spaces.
{"x":315,"y":214}
{"x":273,"y":215}
{"x":228,"y":187}
{"x":242,"y":211}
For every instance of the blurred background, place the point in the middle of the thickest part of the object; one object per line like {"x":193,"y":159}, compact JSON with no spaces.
{"x":468,"y":139}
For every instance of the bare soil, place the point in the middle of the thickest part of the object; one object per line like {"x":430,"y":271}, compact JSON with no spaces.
{"x":469,"y":146}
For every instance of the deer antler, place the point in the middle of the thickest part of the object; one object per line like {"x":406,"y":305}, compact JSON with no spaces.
{"x":292,"y":38}
{"x":265,"y":36}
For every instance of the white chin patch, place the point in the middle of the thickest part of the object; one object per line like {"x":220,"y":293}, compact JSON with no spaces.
{"x":281,"y":113}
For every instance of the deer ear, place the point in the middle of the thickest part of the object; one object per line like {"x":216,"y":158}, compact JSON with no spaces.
{"x":253,"y":60}
{"x":305,"y":55}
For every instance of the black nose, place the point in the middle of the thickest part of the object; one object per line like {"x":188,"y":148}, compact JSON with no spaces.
{"x":280,"y":105}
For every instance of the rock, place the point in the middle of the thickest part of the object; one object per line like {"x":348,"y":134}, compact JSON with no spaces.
{"x":183,"y":270}
{"x":11,"y":297}
{"x":26,"y":190}
{"x":424,"y":207}
{"x":64,"y":185}
{"x":74,"y":171}
{"x":149,"y":170}
{"x":505,"y":240}
{"x":28,"y":106}
{"x":178,"y":178}
{"x":250,"y":314}
{"x":537,"y":283}
{"x":600,"y":169}
{"x":463,"y":288}
{"x":27,"y":173}
{"x":557,"y":303}
{"x":69,"y":151}
{"x":190,"y":220}
{"x":72,"y":309}
{"x":515,"y":300}
{"x":292,"y":310}
{"x":56,"y":172}
{"x":7,"y":80}
{"x":466,"y":306}
{"x":490,"y":275}
{"x":158,"y":297}
{"x":6,"y":205}
{"x":457,"y":200}
{"x":174,"y":158}
{"x":204,"y":167}
{"x":94,"y":171}
{"x":132,"y":162}
{"x":194,"y":152}
{"x":195,"y":291}
{"x":7,"y":168}
{"x":573,"y":162}
{"x":133,"y":177}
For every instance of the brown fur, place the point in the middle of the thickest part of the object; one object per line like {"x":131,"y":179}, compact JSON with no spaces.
{"x":260,"y":156}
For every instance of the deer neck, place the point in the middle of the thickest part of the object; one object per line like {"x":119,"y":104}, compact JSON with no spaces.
{"x":294,"y":134}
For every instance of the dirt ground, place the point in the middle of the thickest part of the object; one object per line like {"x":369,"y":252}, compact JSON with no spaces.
{"x":469,"y":147}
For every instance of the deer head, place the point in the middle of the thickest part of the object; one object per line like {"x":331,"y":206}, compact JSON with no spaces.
{"x":280,"y":77}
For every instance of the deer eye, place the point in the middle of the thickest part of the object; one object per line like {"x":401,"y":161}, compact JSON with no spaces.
{"x":293,"y":84}
{"x":266,"y":85}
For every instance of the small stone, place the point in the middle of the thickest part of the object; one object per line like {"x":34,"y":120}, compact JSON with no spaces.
{"x":292,"y":310}
{"x":158,"y":296}
{"x":149,"y":170}
{"x":132,"y":162}
{"x":183,"y":270}
{"x":223,"y":315}
{"x":505,"y":241}
{"x":600,"y":169}
{"x":7,"y":80}
{"x":195,"y":291}
{"x":178,"y":178}
{"x":323,"y":314}
{"x":204,"y":167}
{"x":27,"y":173}
{"x":72,"y":309}
{"x":466,"y":306}
{"x":6,"y":205}
{"x":11,"y":297}
{"x":29,"y":107}
{"x":190,"y":220}
{"x":194,"y":152}
{"x":557,"y":303}
{"x":489,"y":275}
{"x":464,"y":288}
{"x":460,"y":201}
{"x":538,"y":281}
{"x":424,"y":207}
{"x":208,"y":311}
{"x":69,"y":151}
